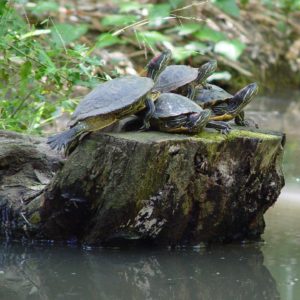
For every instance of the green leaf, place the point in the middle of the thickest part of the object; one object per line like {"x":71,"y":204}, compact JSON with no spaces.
{"x":45,"y":7}
{"x":17,"y":60}
{"x":151,"y":37}
{"x":228,"y":6}
{"x":208,"y":34}
{"x":231,"y":49}
{"x":158,"y":12}
{"x":220,"y":76}
{"x":181,"y":53}
{"x":118,"y":20}
{"x":198,"y":47}
{"x":107,"y":39}
{"x":44,"y":58}
{"x":130,"y":6}
{"x":35,"y":33}
{"x":3,"y":7}
{"x":67,"y":33}
{"x":188,"y":28}
{"x":25,"y":70}
{"x":282,"y":26}
{"x":176,"y":3}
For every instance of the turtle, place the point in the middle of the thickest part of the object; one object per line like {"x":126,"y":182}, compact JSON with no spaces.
{"x":224,"y":106}
{"x":179,"y":114}
{"x":110,"y":102}
{"x":176,"y":76}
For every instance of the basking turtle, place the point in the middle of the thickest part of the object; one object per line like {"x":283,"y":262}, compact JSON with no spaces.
{"x":225,"y":106}
{"x":176,"y":113}
{"x":176,"y":76}
{"x":110,"y":102}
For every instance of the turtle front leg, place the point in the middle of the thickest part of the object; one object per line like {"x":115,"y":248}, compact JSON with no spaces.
{"x":221,"y":126}
{"x":150,"y":109}
{"x":240,"y":120}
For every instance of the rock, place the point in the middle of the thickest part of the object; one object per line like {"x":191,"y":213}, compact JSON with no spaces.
{"x":167,"y":189}
{"x":27,"y":165}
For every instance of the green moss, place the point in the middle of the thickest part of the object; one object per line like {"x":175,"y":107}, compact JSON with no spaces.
{"x":235,"y":133}
{"x":151,"y":179}
{"x":211,"y":136}
{"x":35,"y":218}
{"x":250,"y":134}
{"x":186,"y":207}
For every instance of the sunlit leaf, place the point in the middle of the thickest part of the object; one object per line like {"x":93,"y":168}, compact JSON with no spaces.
{"x":158,"y":12}
{"x":181,"y":53}
{"x":118,"y":20}
{"x":17,"y":60}
{"x":130,"y":6}
{"x":107,"y":39}
{"x":151,"y":37}
{"x":219,"y":76}
{"x":228,"y":6}
{"x":67,"y":33}
{"x":45,"y":7}
{"x":208,"y":34}
{"x":198,"y":47}
{"x":35,"y":33}
{"x":188,"y":28}
{"x":230,"y":49}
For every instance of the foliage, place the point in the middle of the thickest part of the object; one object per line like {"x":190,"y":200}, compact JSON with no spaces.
{"x":38,"y":71}
{"x":42,"y":60}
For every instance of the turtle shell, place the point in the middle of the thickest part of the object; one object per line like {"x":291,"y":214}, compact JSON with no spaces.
{"x":169,"y":105}
{"x":175,"y":76}
{"x":111,"y":97}
{"x":211,"y":94}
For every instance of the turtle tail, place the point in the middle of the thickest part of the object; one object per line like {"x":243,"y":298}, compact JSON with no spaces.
{"x":63,"y":140}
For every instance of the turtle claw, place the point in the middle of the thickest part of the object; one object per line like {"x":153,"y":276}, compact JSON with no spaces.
{"x":225,"y":131}
{"x":251,"y":123}
{"x":146,"y":126}
{"x":221,"y":126}
{"x":247,"y":123}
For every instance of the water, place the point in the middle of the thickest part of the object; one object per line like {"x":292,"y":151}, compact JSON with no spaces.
{"x":262,"y":270}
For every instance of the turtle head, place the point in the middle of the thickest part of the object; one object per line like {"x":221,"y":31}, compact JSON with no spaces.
{"x":206,"y":70}
{"x":158,"y":64}
{"x":196,"y":121}
{"x":242,"y":98}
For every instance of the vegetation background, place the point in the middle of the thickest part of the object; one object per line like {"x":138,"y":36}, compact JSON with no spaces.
{"x":53,"y":52}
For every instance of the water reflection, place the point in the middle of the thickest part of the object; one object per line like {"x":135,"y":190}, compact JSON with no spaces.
{"x":282,"y":113}
{"x":231,"y":272}
{"x":282,"y":247}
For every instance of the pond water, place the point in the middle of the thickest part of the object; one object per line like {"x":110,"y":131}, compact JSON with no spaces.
{"x":261,"y":270}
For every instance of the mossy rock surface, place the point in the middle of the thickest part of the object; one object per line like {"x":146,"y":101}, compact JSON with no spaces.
{"x":168,"y":189}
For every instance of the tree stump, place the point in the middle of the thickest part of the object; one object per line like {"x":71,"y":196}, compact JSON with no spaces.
{"x":132,"y":187}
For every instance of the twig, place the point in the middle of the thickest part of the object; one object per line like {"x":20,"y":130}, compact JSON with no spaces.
{"x":59,"y":35}
{"x":190,"y":5}
{"x":235,"y":65}
{"x":21,"y":104}
{"x":172,"y":16}
{"x":25,"y":219}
